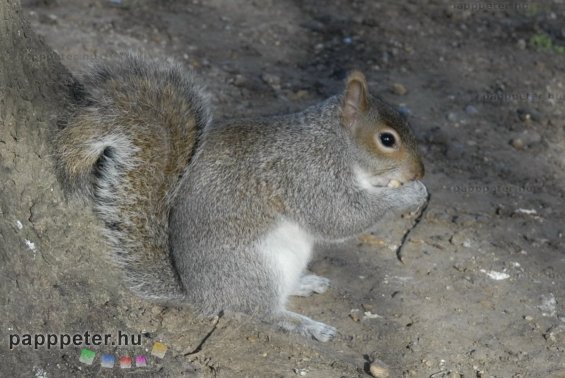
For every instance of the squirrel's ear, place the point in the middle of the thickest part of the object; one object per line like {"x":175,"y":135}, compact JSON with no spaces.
{"x":355,"y":98}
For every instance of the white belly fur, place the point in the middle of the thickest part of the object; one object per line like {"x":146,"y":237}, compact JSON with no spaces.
{"x":287,"y":250}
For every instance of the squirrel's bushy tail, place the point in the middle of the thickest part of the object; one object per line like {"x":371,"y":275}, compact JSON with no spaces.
{"x":126,"y":145}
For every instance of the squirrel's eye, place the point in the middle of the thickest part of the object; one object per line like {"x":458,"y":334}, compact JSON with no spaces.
{"x":387,"y":139}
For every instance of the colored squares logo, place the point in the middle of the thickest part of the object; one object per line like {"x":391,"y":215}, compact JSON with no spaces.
{"x":107,"y":361}
{"x":140,"y":361}
{"x":87,"y":356}
{"x":125,"y":362}
{"x":159,"y":349}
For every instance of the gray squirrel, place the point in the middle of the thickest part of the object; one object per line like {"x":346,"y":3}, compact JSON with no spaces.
{"x":222,"y":217}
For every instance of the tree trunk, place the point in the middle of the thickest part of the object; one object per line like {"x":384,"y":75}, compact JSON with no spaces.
{"x":45,"y":245}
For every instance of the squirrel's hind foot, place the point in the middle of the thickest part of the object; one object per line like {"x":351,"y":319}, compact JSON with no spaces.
{"x":303,"y":325}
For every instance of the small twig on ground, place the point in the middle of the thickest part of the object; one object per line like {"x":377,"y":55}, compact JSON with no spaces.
{"x":417,"y":221}
{"x":203,"y":341}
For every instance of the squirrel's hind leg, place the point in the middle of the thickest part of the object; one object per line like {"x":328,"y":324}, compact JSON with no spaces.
{"x":303,"y":325}
{"x":310,"y":284}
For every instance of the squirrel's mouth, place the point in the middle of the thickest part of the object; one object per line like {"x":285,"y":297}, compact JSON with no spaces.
{"x":368,"y":181}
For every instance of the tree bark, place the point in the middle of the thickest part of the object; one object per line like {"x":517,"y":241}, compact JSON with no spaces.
{"x":47,"y":248}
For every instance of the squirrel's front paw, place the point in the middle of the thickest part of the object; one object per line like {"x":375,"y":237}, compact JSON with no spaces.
{"x":420,"y":191}
{"x":410,"y":196}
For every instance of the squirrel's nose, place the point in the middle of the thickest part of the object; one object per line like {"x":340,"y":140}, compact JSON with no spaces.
{"x":418,"y":170}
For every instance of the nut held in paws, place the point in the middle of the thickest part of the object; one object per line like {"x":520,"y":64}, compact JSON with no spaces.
{"x":393,"y":184}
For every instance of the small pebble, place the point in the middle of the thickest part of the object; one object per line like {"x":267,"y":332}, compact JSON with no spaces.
{"x":524,"y":115}
{"x":239,"y":80}
{"x":300,"y":94}
{"x":355,"y":315}
{"x":271,"y":79}
{"x":427,"y":363}
{"x":517,"y":143}
{"x":530,"y":137}
{"x":470,"y":109}
{"x":398,"y":89}
{"x":441,"y":374}
{"x":367,"y":306}
{"x":451,"y":117}
{"x":521,"y":44}
{"x":378,"y":369}
{"x":370,"y":315}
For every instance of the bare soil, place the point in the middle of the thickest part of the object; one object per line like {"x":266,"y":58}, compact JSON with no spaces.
{"x":480,"y":290}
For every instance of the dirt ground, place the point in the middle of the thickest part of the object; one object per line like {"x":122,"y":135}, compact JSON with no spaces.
{"x":480,"y":290}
